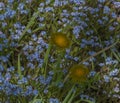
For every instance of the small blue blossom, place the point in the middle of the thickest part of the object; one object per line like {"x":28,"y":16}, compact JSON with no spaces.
{"x":28,"y":77}
{"x":41,"y":19}
{"x":91,"y":53}
{"x":82,"y":14}
{"x":22,"y":68}
{"x":100,"y":21}
{"x":47,"y":2}
{"x":29,"y":31}
{"x":45,"y":91}
{"x":116,"y":96}
{"x":94,"y":10}
{"x":75,"y":8}
{"x":106,"y":78}
{"x":29,"y":91}
{"x":115,"y":23}
{"x":21,"y":6}
{"x":114,"y":72}
{"x":89,"y":32}
{"x":109,"y":61}
{"x":76,"y":59}
{"x":64,"y":71}
{"x":1,"y":78}
{"x":49,"y":9}
{"x":2,"y":17}
{"x":34,"y":37}
{"x":43,"y":33}
{"x":92,"y":73}
{"x":41,"y":4}
{"x":78,"y":2}
{"x":52,"y":59}
{"x":117,"y":4}
{"x":48,"y":80}
{"x":2,"y":5}
{"x":117,"y":89}
{"x":7,"y":76}
{"x":86,"y":63}
{"x":92,"y":59}
{"x":28,"y":1}
{"x":101,"y":1}
{"x":56,"y":3}
{"x":44,"y":80}
{"x":9,"y":13}
{"x":15,"y":37}
{"x":41,"y":42}
{"x":35,"y":92}
{"x":4,"y":24}
{"x":106,"y":10}
{"x":76,"y":31}
{"x":23,"y":81}
{"x":64,"y":20}
{"x":53,"y":100}
{"x":30,"y":65}
{"x":65,"y":14}
{"x":107,"y":43}
{"x":1,"y":47}
{"x":24,"y":12}
{"x":51,"y":72}
{"x":13,"y":44}
{"x":68,"y":57}
{"x":18,"y":25}
{"x":10,"y":1}
{"x":82,"y":45}
{"x":60,"y":84}
{"x":82,"y":96}
{"x":111,"y":28}
{"x":1,"y":68}
{"x":75,"y":14}
{"x":105,"y":18}
{"x":114,"y":15}
{"x":41,"y":25}
{"x":3,"y":58}
{"x":41,"y":9}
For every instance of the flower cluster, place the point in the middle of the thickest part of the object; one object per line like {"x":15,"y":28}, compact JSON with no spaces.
{"x":50,"y":48}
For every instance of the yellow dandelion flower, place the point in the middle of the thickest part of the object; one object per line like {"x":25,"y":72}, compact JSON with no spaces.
{"x":60,"y":40}
{"x":78,"y":73}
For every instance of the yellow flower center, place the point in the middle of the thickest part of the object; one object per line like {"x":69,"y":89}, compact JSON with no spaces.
{"x":61,"y":41}
{"x":79,"y":72}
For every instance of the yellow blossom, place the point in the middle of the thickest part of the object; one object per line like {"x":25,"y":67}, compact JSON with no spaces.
{"x":78,"y":73}
{"x":60,"y":40}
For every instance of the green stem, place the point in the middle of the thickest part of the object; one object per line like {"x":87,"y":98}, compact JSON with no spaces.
{"x":84,"y":100}
{"x":19,"y":67}
{"x":69,"y":95}
{"x":31,"y":22}
{"x":103,"y":50}
{"x":46,"y":57}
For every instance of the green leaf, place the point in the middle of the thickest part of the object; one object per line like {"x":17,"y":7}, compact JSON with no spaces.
{"x":19,"y":67}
